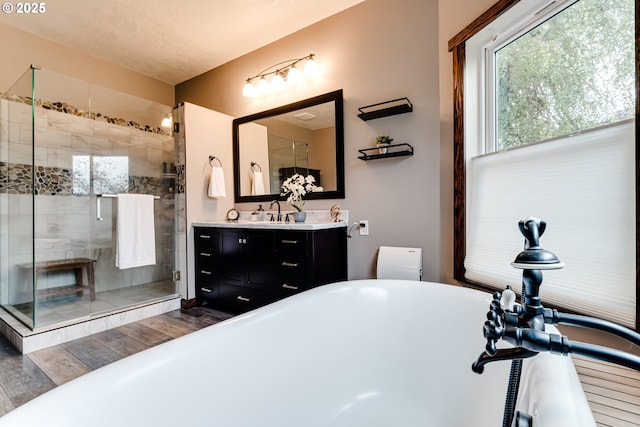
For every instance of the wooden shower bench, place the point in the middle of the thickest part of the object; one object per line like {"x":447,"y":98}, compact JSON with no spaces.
{"x":75,"y":264}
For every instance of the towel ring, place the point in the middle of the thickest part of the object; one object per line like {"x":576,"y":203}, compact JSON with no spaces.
{"x":212,"y":158}
{"x":253,"y":164}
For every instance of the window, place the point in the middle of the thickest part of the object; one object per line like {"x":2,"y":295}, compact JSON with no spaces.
{"x":100,"y":174}
{"x":549,"y":104}
{"x":572,"y":72}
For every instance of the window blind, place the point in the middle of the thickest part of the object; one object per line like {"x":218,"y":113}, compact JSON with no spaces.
{"x":583,"y":186}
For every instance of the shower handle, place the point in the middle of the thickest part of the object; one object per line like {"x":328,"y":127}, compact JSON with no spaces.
{"x":98,"y":213}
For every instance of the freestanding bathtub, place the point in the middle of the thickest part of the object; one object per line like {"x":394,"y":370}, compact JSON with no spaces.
{"x":359,"y":353}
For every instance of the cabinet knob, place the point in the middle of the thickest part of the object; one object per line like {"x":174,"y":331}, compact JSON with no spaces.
{"x":206,"y":290}
{"x":205,"y":236}
{"x":289,"y":242}
{"x":208,"y":273}
{"x":289,"y":264}
{"x":243,"y":299}
{"x":205,"y":254}
{"x":286,"y":286}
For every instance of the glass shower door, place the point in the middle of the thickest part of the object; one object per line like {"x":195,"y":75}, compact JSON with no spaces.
{"x":88,"y":144}
{"x":16,"y":199}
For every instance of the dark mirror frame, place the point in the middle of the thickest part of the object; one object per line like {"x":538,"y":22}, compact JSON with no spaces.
{"x":335,"y":96}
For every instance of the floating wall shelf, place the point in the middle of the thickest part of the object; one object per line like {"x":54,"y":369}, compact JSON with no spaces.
{"x":392,"y":151}
{"x":386,"y":108}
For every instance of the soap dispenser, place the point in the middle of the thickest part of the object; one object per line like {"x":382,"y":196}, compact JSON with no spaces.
{"x":260,"y":212}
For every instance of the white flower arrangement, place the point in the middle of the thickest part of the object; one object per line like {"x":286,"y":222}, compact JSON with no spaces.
{"x":297,"y":186}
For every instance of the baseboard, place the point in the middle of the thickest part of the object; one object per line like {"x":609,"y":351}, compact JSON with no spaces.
{"x":187,"y":303}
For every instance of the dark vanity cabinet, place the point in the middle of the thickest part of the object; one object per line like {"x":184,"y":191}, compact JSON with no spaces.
{"x":253,"y":267}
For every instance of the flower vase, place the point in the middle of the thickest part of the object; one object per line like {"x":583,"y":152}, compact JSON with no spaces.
{"x":382,"y":148}
{"x":299,"y":216}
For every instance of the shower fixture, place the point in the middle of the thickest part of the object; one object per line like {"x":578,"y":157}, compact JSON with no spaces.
{"x":523,"y":325}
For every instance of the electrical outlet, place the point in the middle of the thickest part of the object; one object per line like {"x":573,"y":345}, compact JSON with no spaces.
{"x":364,"y":228}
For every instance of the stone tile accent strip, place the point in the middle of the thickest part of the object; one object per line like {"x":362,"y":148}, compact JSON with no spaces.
{"x":63,"y":107}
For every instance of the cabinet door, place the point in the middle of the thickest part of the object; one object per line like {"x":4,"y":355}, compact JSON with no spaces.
{"x":258,"y":259}
{"x":232,"y":256}
{"x":245,"y":257}
{"x":329,"y":256}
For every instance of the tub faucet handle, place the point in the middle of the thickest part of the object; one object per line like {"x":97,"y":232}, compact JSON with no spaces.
{"x":493,"y":331}
{"x":508,"y":299}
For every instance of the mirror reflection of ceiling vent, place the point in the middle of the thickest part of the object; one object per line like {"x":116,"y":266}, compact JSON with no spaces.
{"x":305,"y":116}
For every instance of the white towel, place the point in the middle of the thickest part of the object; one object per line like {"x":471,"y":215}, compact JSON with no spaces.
{"x":135,"y":231}
{"x":216,"y":183}
{"x":257,"y":183}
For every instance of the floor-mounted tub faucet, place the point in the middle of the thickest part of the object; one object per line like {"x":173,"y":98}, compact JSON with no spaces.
{"x":279,"y":216}
{"x":523,"y":325}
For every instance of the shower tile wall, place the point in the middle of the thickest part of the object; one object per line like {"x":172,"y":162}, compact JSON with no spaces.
{"x":65,"y":219}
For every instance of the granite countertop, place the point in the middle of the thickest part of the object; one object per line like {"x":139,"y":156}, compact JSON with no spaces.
{"x":316,"y":220}
{"x":267,"y":225}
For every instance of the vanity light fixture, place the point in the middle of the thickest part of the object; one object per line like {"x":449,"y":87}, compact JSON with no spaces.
{"x":284,"y":73}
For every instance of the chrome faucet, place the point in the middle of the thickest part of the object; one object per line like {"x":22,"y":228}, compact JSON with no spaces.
{"x":279,"y":217}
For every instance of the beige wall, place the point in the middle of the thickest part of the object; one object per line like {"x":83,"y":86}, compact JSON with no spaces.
{"x":376,"y":51}
{"x":20,"y":50}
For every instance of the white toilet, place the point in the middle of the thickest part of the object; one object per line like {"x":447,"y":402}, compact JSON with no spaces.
{"x":399,"y":263}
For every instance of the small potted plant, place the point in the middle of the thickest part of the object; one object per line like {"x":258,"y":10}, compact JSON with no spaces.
{"x":382,"y":142}
{"x":294,"y":188}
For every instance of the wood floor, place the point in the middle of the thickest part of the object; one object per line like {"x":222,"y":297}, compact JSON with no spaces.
{"x":24,"y":377}
{"x":613,"y":392}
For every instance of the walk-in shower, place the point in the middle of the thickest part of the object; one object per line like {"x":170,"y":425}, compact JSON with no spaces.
{"x":67,"y":148}
{"x":289,"y":157}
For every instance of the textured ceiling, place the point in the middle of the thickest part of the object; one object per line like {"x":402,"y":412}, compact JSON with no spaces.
{"x":172,"y":40}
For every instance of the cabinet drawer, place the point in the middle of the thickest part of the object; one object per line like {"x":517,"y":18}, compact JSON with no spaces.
{"x":242,"y":299}
{"x":291,"y":242}
{"x":205,"y":274}
{"x":205,"y":254}
{"x":205,"y":240}
{"x":286,"y":287}
{"x":207,"y":291}
{"x":292,"y":265}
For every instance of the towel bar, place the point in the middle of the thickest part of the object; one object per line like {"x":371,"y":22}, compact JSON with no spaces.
{"x":255,"y":164}
{"x":108,"y":196}
{"x":113,"y":196}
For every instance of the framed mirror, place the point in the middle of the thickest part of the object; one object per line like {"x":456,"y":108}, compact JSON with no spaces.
{"x":306,"y":137}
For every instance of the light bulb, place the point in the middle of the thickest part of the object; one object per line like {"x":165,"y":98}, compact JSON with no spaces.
{"x":311,"y":68}
{"x":166,"y":122}
{"x":263,"y":86}
{"x":249,"y":90}
{"x":277,"y":82}
{"x":294,"y":76}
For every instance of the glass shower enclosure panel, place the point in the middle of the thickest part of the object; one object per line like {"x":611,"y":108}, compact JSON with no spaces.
{"x":89,"y":145}
{"x":16,"y":200}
